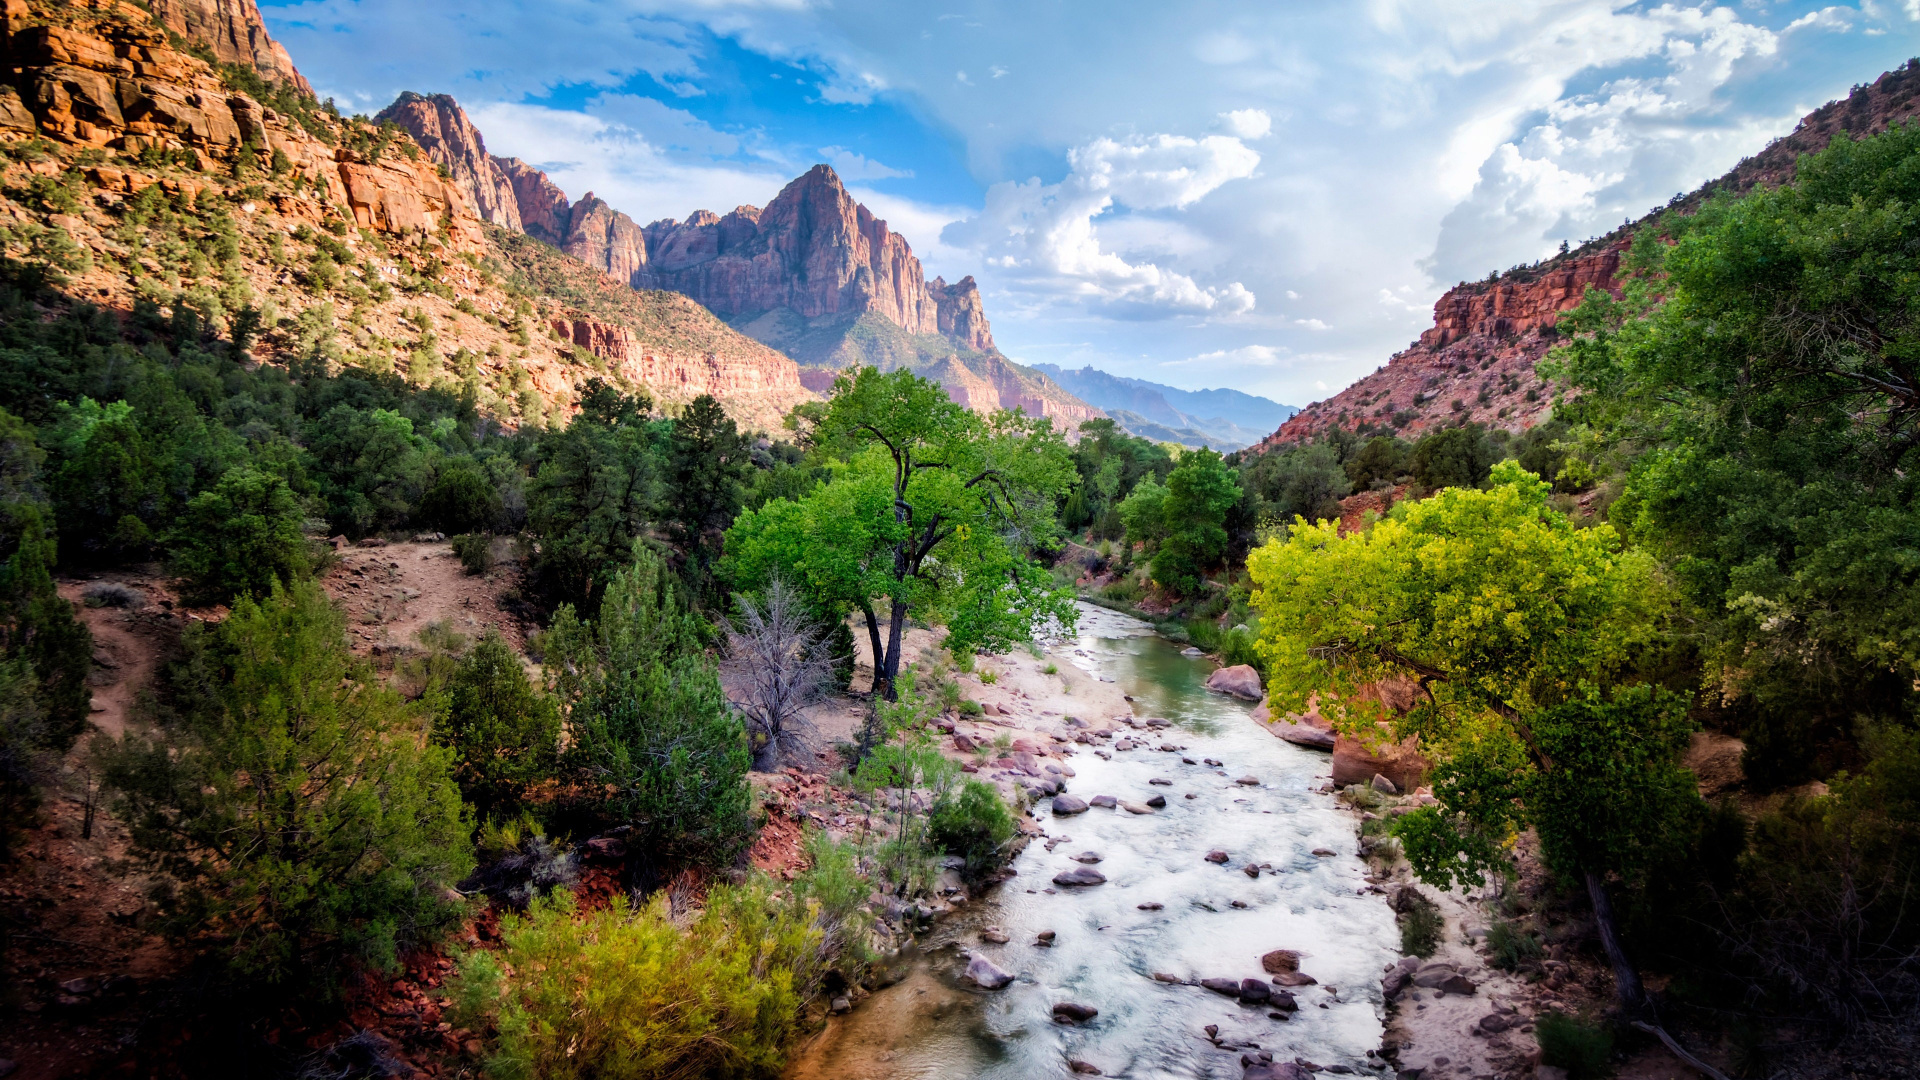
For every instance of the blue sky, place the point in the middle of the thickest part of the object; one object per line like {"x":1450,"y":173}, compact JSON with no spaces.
{"x":1263,"y":196}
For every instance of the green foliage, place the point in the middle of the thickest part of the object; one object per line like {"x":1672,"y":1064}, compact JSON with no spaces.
{"x":1421,"y":925}
{"x":290,"y":799}
{"x":475,"y":552}
{"x":1524,"y":632}
{"x":707,"y":470}
{"x":503,"y":732}
{"x":649,"y":723}
{"x":240,"y":538}
{"x":1297,"y":481}
{"x":596,"y":490}
{"x":1512,"y":945}
{"x":462,"y":499}
{"x":833,"y":885}
{"x":933,"y":510}
{"x":908,"y":778}
{"x":1770,"y":460}
{"x":1381,"y":461}
{"x":1583,"y":1048}
{"x":45,"y":653}
{"x":974,"y":824}
{"x":634,"y":994}
{"x":1201,"y":491}
{"x":1109,"y":461}
{"x":1451,"y":457}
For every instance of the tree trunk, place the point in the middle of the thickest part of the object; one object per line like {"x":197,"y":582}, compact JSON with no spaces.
{"x":896,"y":628}
{"x":881,"y":687}
{"x":1626,"y":980}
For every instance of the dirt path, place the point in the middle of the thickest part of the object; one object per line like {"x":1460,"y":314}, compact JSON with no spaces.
{"x":391,"y":592}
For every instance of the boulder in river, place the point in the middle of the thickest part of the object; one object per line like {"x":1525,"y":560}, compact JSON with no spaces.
{"x":1135,"y":808}
{"x":1160,"y":781}
{"x":1303,"y":734}
{"x":1248,"y":781}
{"x":1283,"y":1001}
{"x":1239,"y":681}
{"x":1255,"y":991}
{"x":1157,"y":802}
{"x":1276,"y":1070}
{"x":1294,"y":978}
{"x":1107,"y":801}
{"x":986,"y":974}
{"x":1069,"y":804}
{"x":1083,"y":1068}
{"x":1229,"y":987}
{"x":1151,"y":905}
{"x":1072,"y":1012}
{"x":1088,"y":857}
{"x":1079,"y":875}
{"x":993,"y":935}
{"x":1280,"y":961}
{"x":1217,"y":856}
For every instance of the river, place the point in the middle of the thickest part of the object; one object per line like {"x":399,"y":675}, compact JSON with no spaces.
{"x":1213,"y":920}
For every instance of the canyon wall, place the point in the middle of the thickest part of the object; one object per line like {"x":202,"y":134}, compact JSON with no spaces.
{"x":1476,"y":362}
{"x":235,"y":32}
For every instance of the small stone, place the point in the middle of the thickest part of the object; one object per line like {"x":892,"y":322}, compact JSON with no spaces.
{"x":839,"y":1005}
{"x":1106,"y":801}
{"x":1079,"y":876}
{"x":1157,"y":801}
{"x":1251,"y":871}
{"x":1280,"y":961}
{"x":1294,"y":978}
{"x":1249,"y":781}
{"x":986,"y":974}
{"x":1495,"y":1023}
{"x":1284,"y":1001}
{"x":1083,"y":1068}
{"x":1072,"y":1012}
{"x":1191,"y":795}
{"x":1216,"y":856}
{"x":1088,"y":857}
{"x":1323,"y":853}
{"x":1161,"y":976}
{"x":1135,"y":808}
{"x":1063,"y":805}
{"x":993,"y":935}
{"x":1458,"y":984}
{"x":1384,"y":785}
{"x":1212,"y":762}
{"x":1229,"y":987}
{"x":1255,"y":991}
{"x":1151,"y":905}
{"x":1160,"y":782}
{"x":1212,"y":1030}
{"x":1240,"y":905}
{"x":1045,"y":937}
{"x":1186,"y":761}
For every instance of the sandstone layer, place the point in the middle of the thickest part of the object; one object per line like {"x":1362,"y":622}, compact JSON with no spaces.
{"x":442,"y":129}
{"x":235,"y":32}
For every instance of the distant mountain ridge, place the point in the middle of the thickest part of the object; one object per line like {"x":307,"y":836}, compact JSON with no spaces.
{"x":1223,"y":419}
{"x":813,"y":274}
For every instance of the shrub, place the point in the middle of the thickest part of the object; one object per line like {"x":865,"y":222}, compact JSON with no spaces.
{"x":1511,"y":945}
{"x":504,"y":734}
{"x":291,"y":799}
{"x":113,"y":594}
{"x":242,"y":537}
{"x":1584,"y":1049}
{"x":974,"y":824}
{"x":475,"y":551}
{"x":988,"y":678}
{"x":1421,"y":923}
{"x":462,"y":499}
{"x":630,"y":994}
{"x":970,"y":707}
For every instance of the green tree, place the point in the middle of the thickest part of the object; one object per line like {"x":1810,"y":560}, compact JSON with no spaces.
{"x":649,"y":723}
{"x":106,"y":485}
{"x":1451,"y":457}
{"x":707,"y":471}
{"x":290,"y":797}
{"x":934,"y":512}
{"x":1525,"y":636}
{"x":597,"y":489}
{"x":504,"y":733}
{"x":1144,"y":512}
{"x":1384,"y":458}
{"x":241,"y":538}
{"x":463,"y":498}
{"x":1201,"y":491}
{"x":1757,"y":382}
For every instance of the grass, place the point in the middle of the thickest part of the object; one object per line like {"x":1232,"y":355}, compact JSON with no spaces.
{"x":1512,"y":944}
{"x":1583,"y":1048}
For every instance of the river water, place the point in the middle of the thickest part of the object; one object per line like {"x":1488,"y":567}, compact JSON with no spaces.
{"x":933,"y":1023}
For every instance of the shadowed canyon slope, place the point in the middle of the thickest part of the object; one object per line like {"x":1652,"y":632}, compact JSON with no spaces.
{"x":1476,"y":362}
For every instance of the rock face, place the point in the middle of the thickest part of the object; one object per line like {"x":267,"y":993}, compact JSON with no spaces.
{"x":1476,"y":362}
{"x":813,"y":251}
{"x":442,"y":129}
{"x":235,"y":32}
{"x":543,"y":209}
{"x":754,"y":381}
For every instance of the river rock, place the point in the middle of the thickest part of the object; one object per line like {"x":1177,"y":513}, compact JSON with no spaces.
{"x":1324,"y":853}
{"x":1458,"y":984}
{"x":1088,"y":857}
{"x":1151,"y":905}
{"x":964,"y":743}
{"x":1078,"y":876}
{"x":1294,"y":978}
{"x":993,"y":935}
{"x":1254,"y":991}
{"x":1250,"y":870}
{"x":1217,"y":856}
{"x":1072,"y":1012}
{"x":1283,"y":1001}
{"x":1276,"y":1070}
{"x":1383,"y":785}
{"x":1045,"y":937}
{"x":986,"y":974}
{"x":1157,"y":802}
{"x":1240,"y":681}
{"x":1249,"y":781}
{"x":1495,"y":1023}
{"x":1300,"y":734}
{"x":1280,"y":961}
{"x":1163,"y":977}
{"x":1107,"y":801}
{"x":1084,"y":1068}
{"x":1229,"y":987}
{"x":1212,"y":762}
{"x":1135,"y":808}
{"x":1068,"y":804}
{"x":1160,"y":782}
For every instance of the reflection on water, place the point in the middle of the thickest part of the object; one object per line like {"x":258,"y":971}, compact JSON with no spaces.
{"x":933,"y":1024}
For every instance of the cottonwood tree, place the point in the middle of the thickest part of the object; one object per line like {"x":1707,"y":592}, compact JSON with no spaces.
{"x":1523,"y":633}
{"x":933,"y":512}
{"x":777,"y":655}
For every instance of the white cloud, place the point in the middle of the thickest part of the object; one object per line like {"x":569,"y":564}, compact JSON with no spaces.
{"x":852,"y":166}
{"x":1045,"y":234}
{"x":1228,"y":359}
{"x":1312,"y":324}
{"x":1252,"y":123}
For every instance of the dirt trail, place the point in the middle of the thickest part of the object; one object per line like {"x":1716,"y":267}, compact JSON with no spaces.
{"x":393,"y":591}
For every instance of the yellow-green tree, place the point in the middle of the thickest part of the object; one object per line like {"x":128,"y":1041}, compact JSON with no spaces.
{"x":1525,"y":636}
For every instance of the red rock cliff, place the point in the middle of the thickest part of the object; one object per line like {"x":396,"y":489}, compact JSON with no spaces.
{"x":605,"y":239}
{"x":442,"y":129}
{"x":542,"y":206}
{"x":235,"y":32}
{"x":1476,"y":363}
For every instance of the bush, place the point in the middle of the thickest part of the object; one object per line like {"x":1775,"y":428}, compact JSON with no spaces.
{"x":1511,"y":945}
{"x":1584,"y":1049}
{"x":462,"y":499}
{"x":504,"y":734}
{"x":630,"y":994}
{"x":974,"y":824}
{"x":241,"y":538}
{"x":1421,"y":923}
{"x":291,"y":799}
{"x":113,"y":594}
{"x":475,"y":551}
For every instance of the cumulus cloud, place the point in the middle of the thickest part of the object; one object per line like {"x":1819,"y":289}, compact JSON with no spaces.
{"x":1045,"y":234}
{"x":852,"y":166}
{"x":1251,"y":123}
